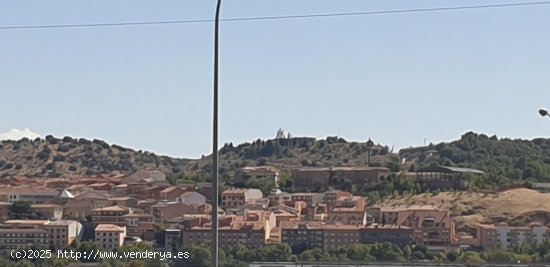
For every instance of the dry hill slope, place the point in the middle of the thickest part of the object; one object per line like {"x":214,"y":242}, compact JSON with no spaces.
{"x":516,"y":206}
{"x":53,"y":157}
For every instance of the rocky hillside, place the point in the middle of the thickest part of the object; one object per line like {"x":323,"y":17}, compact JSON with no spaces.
{"x":53,"y":157}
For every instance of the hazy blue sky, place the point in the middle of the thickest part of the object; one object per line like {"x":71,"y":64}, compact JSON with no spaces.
{"x":397,"y":78}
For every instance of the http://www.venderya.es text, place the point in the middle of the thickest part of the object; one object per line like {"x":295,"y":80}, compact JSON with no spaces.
{"x":96,"y":254}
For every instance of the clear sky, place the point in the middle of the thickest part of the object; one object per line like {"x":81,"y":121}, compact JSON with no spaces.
{"x":397,"y":78}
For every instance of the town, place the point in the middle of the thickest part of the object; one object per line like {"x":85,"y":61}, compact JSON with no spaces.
{"x":142,"y":207}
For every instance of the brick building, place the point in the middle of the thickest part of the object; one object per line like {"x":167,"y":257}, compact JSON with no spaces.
{"x":236,"y":197}
{"x":302,"y":235}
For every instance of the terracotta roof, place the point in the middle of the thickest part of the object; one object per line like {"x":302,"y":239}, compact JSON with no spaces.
{"x":90,"y":195}
{"x":296,"y":225}
{"x":27,"y":222}
{"x":168,"y":189}
{"x":42,"y":206}
{"x":120,"y":198}
{"x":138,"y":215}
{"x":113,"y":208}
{"x":78,"y":203}
{"x":188,"y":193}
{"x":108,"y":228}
{"x":27,"y":189}
{"x":407,"y":208}
{"x":386,"y":226}
{"x":98,"y":184}
{"x":341,"y":227}
{"x":235,"y":191}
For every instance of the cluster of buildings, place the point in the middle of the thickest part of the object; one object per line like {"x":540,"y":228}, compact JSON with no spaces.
{"x":335,"y":219}
{"x":18,"y":234}
{"x":125,"y":209}
{"x":119,"y":209}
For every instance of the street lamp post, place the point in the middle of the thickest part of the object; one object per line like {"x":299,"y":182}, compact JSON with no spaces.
{"x":215,"y":174}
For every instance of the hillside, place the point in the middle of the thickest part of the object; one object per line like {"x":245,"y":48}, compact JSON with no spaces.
{"x":517,"y":207}
{"x":505,"y":160}
{"x":286,"y":153}
{"x":53,"y":157}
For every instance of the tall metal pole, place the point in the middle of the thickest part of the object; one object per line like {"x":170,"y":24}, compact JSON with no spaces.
{"x":215,"y":174}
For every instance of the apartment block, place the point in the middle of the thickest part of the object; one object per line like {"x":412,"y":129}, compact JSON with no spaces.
{"x":505,"y":236}
{"x":430,"y":225}
{"x":14,"y":238}
{"x":379,"y":233}
{"x":302,"y":235}
{"x":311,"y":177}
{"x":19,"y":234}
{"x":232,"y":230}
{"x":236,"y":197}
{"x":110,"y":236}
{"x":135,"y":222}
{"x":63,"y":233}
{"x":338,"y":236}
{"x":347,"y":210}
{"x":30,"y":194}
{"x":259,"y":173}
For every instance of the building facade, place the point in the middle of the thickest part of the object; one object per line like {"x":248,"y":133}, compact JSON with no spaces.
{"x":236,"y":197}
{"x":110,"y":236}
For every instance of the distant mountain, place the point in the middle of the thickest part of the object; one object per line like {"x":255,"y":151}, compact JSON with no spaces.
{"x":53,"y":157}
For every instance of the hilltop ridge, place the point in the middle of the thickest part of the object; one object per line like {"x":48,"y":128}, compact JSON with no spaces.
{"x":54,"y":157}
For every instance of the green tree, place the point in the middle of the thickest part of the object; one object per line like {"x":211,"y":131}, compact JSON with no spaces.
{"x":22,"y":210}
{"x":88,"y":248}
{"x":471,"y":257}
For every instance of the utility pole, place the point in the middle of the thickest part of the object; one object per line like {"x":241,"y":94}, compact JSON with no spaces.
{"x":215,"y":174}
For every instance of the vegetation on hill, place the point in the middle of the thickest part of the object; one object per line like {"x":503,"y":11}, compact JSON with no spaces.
{"x":505,"y":161}
{"x":53,"y":157}
{"x":291,"y":152}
